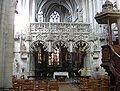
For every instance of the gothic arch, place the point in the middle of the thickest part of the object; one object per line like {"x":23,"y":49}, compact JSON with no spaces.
{"x":34,"y":46}
{"x":79,"y":53}
{"x":46,"y":6}
{"x":62,"y":48}
{"x":81,"y":45}
{"x":47,"y":3}
{"x":54,"y":8}
{"x":60,"y":43}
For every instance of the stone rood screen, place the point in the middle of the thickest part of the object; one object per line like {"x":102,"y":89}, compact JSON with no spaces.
{"x":59,"y":27}
{"x":59,"y":31}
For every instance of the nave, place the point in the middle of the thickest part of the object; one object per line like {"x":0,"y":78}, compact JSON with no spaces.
{"x":59,"y":36}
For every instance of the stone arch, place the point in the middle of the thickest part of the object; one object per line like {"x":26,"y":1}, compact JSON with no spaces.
{"x":81,"y":45}
{"x":80,"y":49}
{"x":34,"y":46}
{"x":60,"y":43}
{"x":39,"y":57}
{"x":57,"y":10}
{"x":62,"y":47}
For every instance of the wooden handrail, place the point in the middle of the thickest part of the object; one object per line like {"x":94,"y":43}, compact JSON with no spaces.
{"x":114,"y":51}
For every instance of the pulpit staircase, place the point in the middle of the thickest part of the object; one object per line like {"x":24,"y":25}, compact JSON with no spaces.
{"x":111,"y":63}
{"x":111,"y":51}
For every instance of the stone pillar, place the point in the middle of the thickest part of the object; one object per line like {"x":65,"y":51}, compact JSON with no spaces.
{"x":80,"y":11}
{"x":93,"y":7}
{"x":31,"y":65}
{"x":32,"y":11}
{"x":87,"y":10}
{"x":91,"y":13}
{"x":49,"y":45}
{"x":6,"y":41}
{"x":84,"y":10}
{"x":118,"y":21}
{"x":71,"y":45}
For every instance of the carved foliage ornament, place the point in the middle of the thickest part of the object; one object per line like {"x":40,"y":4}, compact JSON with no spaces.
{"x":81,"y":46}
{"x":60,"y":43}
{"x":35,"y":45}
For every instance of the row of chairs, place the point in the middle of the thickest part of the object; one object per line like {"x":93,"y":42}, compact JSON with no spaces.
{"x":94,"y":84}
{"x":32,"y":85}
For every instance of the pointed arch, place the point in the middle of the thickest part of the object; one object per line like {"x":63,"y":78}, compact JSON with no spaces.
{"x":38,"y":44}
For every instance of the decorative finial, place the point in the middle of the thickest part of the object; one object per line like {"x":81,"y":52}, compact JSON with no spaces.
{"x":108,"y":6}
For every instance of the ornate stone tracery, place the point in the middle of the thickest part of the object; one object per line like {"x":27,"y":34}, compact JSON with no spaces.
{"x":81,"y":46}
{"x":36,"y":44}
{"x":60,"y":31}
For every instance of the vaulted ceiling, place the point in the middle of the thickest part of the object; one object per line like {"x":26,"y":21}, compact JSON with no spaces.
{"x":46,"y":5}
{"x":61,"y":6}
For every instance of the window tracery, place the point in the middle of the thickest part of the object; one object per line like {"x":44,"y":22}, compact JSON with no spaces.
{"x":55,"y":17}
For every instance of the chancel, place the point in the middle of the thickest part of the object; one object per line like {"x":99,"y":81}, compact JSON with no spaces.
{"x":60,"y":45}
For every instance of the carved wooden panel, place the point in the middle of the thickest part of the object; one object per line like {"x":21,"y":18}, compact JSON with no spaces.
{"x":106,"y":53}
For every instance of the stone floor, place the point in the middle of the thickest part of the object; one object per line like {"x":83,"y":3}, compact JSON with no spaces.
{"x":68,"y":85}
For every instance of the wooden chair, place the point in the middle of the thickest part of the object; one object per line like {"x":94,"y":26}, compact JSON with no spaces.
{"x":104,"y":85}
{"x":53,"y":82}
{"x":42,"y":86}
{"x":104,"y":88}
{"x":97,"y":85}
{"x":15,"y":86}
{"x":53,"y":86}
{"x":91,"y":85}
{"x":28,"y":85}
{"x":83,"y":84}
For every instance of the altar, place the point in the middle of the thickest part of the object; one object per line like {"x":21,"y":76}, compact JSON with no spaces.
{"x":60,"y":74}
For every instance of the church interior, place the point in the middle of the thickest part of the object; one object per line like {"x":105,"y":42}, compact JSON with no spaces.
{"x":59,"y":45}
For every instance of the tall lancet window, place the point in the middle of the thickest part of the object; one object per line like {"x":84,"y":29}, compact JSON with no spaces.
{"x":55,"y":17}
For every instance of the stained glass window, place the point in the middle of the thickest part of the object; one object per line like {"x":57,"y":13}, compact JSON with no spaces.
{"x":55,"y":17}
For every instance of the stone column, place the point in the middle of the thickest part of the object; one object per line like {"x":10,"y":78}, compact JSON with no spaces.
{"x":91,"y":16}
{"x":118,"y":21}
{"x":84,"y":10}
{"x":6,"y":41}
{"x":80,"y":10}
{"x":32,"y":11}
{"x":87,"y":10}
{"x":71,"y":45}
{"x":93,"y":7}
{"x":49,"y":45}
